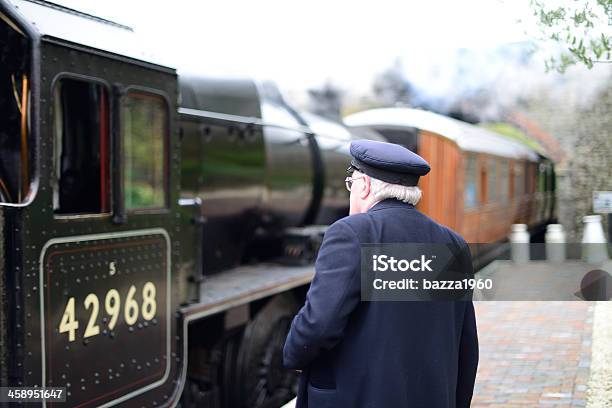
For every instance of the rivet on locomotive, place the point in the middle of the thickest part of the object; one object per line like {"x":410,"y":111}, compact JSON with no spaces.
{"x":158,"y":229}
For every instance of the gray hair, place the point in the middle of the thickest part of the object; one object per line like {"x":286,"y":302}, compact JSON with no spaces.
{"x":382,"y":190}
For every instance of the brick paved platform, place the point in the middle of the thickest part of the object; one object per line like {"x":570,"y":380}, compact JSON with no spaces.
{"x":533,"y":354}
{"x":538,"y":354}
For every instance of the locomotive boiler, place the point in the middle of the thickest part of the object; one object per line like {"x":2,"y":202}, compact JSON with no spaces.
{"x":260,"y":166}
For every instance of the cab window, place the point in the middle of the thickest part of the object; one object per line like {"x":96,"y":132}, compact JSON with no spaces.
{"x":144,"y":129}
{"x":81,"y":144}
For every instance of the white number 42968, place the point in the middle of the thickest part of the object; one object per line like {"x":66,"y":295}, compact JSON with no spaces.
{"x":112,"y":305}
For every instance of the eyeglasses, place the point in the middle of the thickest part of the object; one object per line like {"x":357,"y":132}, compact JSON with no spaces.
{"x":349,"y":181}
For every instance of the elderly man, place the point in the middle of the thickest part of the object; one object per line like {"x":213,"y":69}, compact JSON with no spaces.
{"x":357,"y":354}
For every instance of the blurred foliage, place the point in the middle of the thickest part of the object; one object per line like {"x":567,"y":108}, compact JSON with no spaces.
{"x":391,"y":87}
{"x":141,"y":195}
{"x":326,"y":100}
{"x":582,"y":27}
{"x":514,"y":133}
{"x":144,"y":133}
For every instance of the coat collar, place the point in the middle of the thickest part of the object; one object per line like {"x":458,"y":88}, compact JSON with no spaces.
{"x":390,"y":203}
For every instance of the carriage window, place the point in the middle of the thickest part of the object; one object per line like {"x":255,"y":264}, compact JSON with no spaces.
{"x":144,"y":123}
{"x":504,"y":185}
{"x":492,"y":180}
{"x":541,"y":182}
{"x":529,"y":174}
{"x":550,"y":185}
{"x":81,"y":168}
{"x":518,"y":180}
{"x":471,"y":182}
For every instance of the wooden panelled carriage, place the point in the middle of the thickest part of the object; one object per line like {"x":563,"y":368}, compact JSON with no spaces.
{"x":480,"y":183}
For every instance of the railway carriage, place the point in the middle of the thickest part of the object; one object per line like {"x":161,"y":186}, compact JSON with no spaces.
{"x":480,"y":183}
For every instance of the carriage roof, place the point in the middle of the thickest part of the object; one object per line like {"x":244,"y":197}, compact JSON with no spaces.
{"x":468,"y":137}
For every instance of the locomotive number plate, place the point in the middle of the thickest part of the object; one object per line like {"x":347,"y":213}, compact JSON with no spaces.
{"x":105,"y":318}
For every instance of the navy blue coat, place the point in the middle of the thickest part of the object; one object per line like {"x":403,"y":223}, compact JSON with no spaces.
{"x":357,"y":354}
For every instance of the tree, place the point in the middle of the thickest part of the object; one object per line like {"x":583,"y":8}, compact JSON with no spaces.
{"x":326,"y":100}
{"x":582,"y":28}
{"x":391,"y":87}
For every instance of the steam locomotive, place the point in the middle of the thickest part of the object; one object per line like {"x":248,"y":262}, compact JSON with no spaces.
{"x":157,"y":229}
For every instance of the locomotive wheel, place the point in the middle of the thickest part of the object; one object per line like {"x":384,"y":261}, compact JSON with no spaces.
{"x":263,"y":382}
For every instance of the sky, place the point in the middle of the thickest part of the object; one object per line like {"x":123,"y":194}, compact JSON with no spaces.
{"x":304,"y":44}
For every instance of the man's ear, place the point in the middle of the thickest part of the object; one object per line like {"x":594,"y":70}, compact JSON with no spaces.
{"x":366,"y":187}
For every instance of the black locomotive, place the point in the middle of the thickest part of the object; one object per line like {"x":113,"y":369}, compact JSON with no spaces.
{"x":157,"y":228}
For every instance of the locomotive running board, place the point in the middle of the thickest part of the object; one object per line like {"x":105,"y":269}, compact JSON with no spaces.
{"x":245,"y":284}
{"x":237,"y":287}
